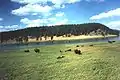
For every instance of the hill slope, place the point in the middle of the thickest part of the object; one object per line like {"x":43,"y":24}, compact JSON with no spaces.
{"x":58,"y":30}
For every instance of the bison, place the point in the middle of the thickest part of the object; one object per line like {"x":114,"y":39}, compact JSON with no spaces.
{"x":26,"y":51}
{"x":36,"y":50}
{"x":68,"y":50}
{"x":60,"y":57}
{"x":77,"y":51}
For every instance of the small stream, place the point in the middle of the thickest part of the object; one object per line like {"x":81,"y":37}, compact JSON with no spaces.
{"x":38,"y":44}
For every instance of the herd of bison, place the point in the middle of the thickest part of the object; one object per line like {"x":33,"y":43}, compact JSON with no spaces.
{"x":76,"y":51}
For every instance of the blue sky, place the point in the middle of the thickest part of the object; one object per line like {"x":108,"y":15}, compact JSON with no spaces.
{"x":17,"y":14}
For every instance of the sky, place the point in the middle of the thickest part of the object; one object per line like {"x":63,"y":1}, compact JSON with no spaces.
{"x":18,"y":14}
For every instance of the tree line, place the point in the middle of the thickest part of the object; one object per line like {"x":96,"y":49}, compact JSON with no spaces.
{"x":57,"y":30}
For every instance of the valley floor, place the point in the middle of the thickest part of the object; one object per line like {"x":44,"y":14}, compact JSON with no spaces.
{"x":97,"y":62}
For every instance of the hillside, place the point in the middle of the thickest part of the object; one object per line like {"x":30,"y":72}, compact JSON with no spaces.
{"x":58,"y":30}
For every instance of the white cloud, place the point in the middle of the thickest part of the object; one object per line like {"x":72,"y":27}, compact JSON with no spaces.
{"x":29,"y":1}
{"x":25,"y":21}
{"x":32,"y":8}
{"x":41,"y":22}
{"x":73,"y":1}
{"x":10,"y":27}
{"x":57,"y":3}
{"x":63,"y":6}
{"x":115,"y":12}
{"x":60,"y":22}
{"x":56,"y":21}
{"x":33,"y":23}
{"x":61,"y":3}
{"x":60,"y":14}
{"x":1,"y":27}
{"x":96,"y":0}
{"x":64,"y":21}
{"x":44,"y":1}
{"x":114,"y":25}
{"x":52,"y":19}
{"x":1,"y":19}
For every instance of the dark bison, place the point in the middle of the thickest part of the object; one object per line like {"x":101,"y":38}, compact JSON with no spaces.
{"x":68,"y":50}
{"x":26,"y":51}
{"x":77,"y":51}
{"x":36,"y":50}
{"x":60,"y":57}
{"x":61,"y":51}
{"x":77,"y":46}
{"x":111,"y":42}
{"x":91,"y":45}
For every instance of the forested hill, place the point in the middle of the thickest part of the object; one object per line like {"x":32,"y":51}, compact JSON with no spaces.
{"x":58,"y":30}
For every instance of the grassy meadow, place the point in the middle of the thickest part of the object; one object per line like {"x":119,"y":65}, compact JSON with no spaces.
{"x":98,"y":62}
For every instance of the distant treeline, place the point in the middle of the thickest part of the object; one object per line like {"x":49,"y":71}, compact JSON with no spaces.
{"x":57,"y":30}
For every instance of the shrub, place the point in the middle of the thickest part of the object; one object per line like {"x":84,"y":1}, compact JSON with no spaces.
{"x":77,"y":51}
{"x":91,"y":45}
{"x":26,"y":51}
{"x":77,"y":46}
{"x":36,"y":50}
{"x":82,"y":45}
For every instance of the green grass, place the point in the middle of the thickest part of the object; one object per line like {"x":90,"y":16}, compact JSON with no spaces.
{"x":100,"y":62}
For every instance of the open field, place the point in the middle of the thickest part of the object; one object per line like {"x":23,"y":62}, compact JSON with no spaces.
{"x":97,"y":62}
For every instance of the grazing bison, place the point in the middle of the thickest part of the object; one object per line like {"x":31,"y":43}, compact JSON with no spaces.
{"x":91,"y":45}
{"x":26,"y":51}
{"x":36,"y":50}
{"x":61,"y":51}
{"x":77,"y":46}
{"x":77,"y":51}
{"x":113,"y":41}
{"x":60,"y":57}
{"x":68,"y":50}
